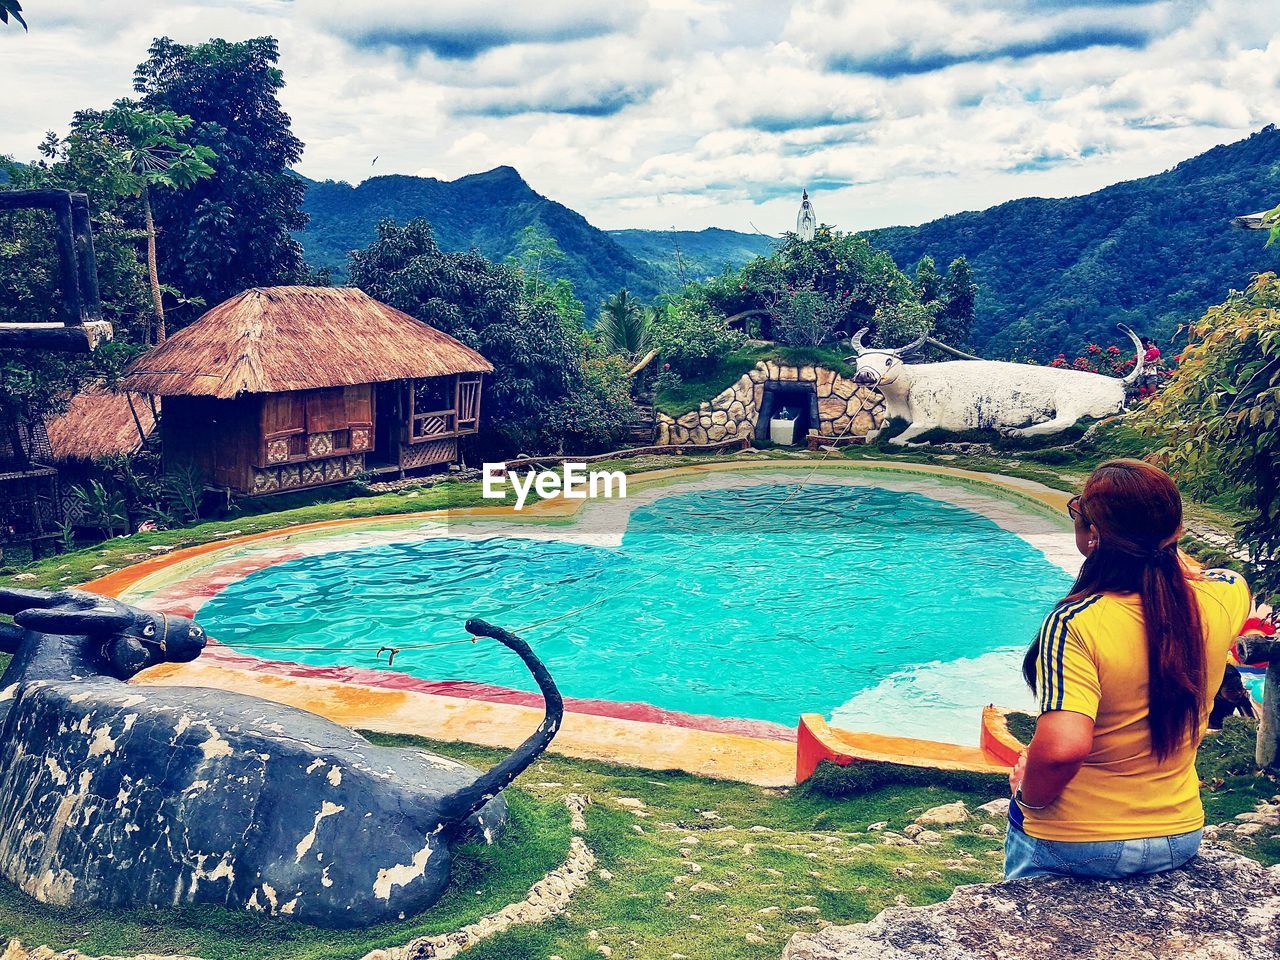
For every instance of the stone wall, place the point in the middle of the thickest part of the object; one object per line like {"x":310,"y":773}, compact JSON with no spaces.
{"x":843,"y":407}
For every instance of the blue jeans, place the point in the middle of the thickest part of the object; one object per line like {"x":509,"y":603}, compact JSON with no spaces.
{"x":1025,"y":856}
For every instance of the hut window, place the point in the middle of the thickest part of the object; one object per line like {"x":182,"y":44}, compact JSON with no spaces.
{"x":359,"y":405}
{"x":284,"y":427}
{"x":283,"y":413}
{"x":468,"y":404}
{"x":316,"y":424}
{"x":326,"y":410}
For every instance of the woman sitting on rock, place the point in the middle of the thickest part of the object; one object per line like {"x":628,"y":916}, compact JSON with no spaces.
{"x":1125,"y":668}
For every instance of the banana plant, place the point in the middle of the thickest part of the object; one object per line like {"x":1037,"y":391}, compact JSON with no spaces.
{"x":102,"y":508}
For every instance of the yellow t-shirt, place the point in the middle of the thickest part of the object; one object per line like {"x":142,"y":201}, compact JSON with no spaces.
{"x":1093,"y":660}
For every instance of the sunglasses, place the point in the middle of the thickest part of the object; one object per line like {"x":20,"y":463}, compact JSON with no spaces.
{"x":1075,"y":511}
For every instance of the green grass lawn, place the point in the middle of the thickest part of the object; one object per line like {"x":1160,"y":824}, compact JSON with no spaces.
{"x":703,"y":868}
{"x":700,"y":867}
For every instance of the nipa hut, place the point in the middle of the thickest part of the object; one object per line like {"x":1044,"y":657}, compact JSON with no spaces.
{"x":100,"y":423}
{"x":30,"y":494}
{"x":281,"y":388}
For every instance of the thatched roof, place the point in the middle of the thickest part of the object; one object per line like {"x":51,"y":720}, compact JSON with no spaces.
{"x":98,"y":423}
{"x":280,"y":339}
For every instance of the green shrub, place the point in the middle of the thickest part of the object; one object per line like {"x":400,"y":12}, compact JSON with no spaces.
{"x":1219,"y":418}
{"x":831,"y":780}
{"x":999,"y":441}
{"x":1021,"y":725}
{"x":691,"y":338}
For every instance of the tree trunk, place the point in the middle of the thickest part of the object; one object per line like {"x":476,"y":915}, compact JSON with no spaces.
{"x":642,"y":363}
{"x":1256,"y":649}
{"x":1268,"y":746}
{"x":153,"y":272}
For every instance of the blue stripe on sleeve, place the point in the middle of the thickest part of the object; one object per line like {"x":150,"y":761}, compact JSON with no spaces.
{"x":1062,"y":643}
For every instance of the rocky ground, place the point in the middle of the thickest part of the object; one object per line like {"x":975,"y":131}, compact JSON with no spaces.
{"x":1222,"y":905}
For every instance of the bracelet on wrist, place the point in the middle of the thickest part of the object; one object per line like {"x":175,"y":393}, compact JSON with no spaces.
{"x":1027,"y":806}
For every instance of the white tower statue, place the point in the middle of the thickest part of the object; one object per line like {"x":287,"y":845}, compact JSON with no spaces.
{"x":806,"y":219}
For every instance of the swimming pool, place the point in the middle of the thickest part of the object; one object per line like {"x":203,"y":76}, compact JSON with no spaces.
{"x":891,"y":610}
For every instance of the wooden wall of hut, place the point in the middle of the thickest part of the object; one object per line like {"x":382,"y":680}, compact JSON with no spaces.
{"x":219,"y":439}
{"x":269,"y":443}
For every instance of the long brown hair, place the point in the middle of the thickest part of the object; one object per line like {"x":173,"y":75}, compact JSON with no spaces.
{"x":1136,"y":511}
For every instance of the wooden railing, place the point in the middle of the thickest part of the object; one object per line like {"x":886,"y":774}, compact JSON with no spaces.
{"x":468,"y":405}
{"x":433,"y":424}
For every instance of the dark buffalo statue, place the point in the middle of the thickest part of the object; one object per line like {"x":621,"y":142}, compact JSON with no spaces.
{"x":115,"y":796}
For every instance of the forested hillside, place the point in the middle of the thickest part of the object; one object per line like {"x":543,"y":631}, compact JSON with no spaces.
{"x":489,"y":212}
{"x":682,"y":255}
{"x":1153,"y":253}
{"x":500,"y":215}
{"x":1052,"y":274}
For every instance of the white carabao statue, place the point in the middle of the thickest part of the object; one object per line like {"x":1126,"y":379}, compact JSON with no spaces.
{"x":1016,"y":399}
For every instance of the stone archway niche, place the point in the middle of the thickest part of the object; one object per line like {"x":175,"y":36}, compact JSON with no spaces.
{"x":836,"y":406}
{"x":799,"y":397}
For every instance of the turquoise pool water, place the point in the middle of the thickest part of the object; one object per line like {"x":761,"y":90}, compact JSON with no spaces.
{"x":883,"y":609}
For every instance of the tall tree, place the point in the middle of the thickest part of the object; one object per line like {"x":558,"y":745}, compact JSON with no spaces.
{"x":928,"y":280}
{"x":959,"y":297}
{"x":151,"y":154}
{"x":841,"y":270}
{"x":234,"y":229}
{"x":536,"y":251}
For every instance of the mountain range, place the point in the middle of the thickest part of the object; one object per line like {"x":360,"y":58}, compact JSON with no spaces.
{"x":1053,"y":274}
{"x":490,"y":212}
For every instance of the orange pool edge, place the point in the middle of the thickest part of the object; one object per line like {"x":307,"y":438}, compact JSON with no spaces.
{"x":816,"y":741}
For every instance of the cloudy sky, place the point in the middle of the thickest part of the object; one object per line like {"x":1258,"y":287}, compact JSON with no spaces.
{"x":694,"y":113}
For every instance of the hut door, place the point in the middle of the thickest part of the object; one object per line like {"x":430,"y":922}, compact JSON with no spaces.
{"x":388,"y":425}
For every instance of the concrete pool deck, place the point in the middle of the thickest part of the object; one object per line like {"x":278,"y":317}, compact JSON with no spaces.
{"x":632,"y":734}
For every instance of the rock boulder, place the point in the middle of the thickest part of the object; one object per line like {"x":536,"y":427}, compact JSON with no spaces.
{"x":1221,"y":906}
{"x":945,"y":815}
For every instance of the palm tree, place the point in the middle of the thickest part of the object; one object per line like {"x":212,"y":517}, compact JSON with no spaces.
{"x":151,"y":155}
{"x":624,"y":325}
{"x":11,"y":8}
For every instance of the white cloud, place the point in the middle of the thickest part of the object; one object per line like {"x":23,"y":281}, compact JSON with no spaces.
{"x":710,"y":112}
{"x":465,"y":28}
